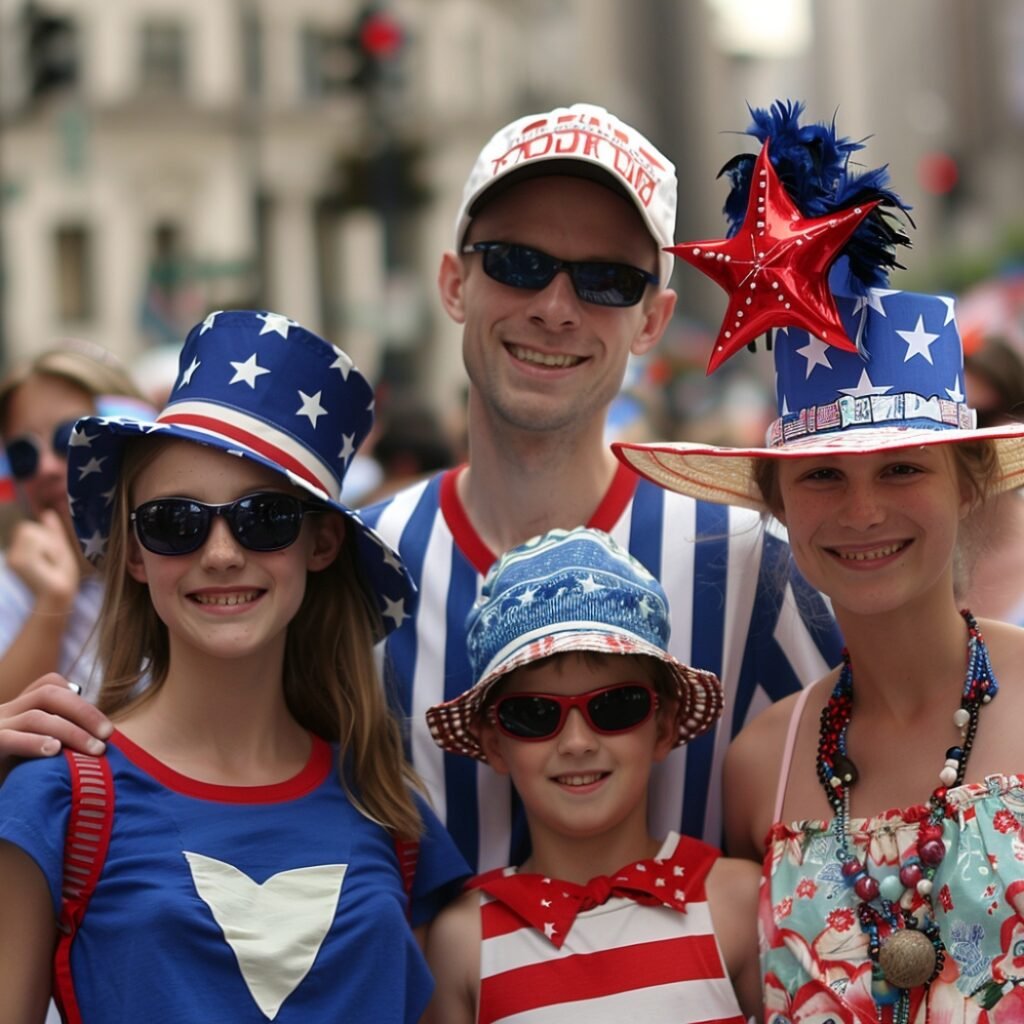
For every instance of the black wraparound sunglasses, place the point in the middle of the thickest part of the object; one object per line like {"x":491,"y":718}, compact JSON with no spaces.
{"x":265,"y":521}
{"x":603,"y":284}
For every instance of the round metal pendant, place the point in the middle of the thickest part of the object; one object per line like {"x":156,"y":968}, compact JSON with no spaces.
{"x":907,"y":958}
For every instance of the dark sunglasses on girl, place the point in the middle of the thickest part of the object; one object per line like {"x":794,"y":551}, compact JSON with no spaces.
{"x":265,"y":521}
{"x":23,"y":452}
{"x":603,"y":284}
{"x":539,"y":716}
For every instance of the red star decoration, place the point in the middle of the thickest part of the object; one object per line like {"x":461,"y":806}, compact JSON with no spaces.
{"x":775,"y":268}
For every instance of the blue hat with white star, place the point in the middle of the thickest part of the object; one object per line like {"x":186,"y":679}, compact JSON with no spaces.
{"x":568,"y":591}
{"x":259,"y":386}
{"x":902,"y":388}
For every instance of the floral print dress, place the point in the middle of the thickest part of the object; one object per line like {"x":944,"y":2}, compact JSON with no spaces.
{"x":814,"y":955}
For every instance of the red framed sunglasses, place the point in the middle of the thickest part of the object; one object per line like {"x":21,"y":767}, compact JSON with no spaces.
{"x":609,"y":710}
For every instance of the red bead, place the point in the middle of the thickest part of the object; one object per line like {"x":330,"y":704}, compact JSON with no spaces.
{"x":932,"y":852}
{"x":929,"y":832}
{"x":910,"y":875}
{"x":851,"y":868}
{"x":866,"y":888}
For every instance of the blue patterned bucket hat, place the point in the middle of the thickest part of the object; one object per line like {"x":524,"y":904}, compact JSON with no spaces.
{"x":567,"y":591}
{"x":259,"y":386}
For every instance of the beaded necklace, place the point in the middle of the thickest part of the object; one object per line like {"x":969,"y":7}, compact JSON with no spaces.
{"x":904,"y":943}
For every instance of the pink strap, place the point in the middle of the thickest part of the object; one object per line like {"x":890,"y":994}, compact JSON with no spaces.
{"x":787,"y":751}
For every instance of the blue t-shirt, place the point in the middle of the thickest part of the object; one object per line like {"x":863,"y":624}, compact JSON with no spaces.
{"x":230,"y":904}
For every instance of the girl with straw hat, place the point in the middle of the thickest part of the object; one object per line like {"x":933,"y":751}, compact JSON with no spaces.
{"x":891,"y":793}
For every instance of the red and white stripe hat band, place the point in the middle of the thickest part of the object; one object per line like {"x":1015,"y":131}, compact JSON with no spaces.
{"x":256,"y":435}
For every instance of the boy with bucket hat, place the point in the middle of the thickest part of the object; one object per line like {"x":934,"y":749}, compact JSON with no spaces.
{"x":575,"y":698}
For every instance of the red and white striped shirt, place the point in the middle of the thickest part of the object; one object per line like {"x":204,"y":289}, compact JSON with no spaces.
{"x":622,"y":961}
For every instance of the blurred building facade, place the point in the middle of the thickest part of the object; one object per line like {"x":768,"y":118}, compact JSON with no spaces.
{"x":160,"y":158}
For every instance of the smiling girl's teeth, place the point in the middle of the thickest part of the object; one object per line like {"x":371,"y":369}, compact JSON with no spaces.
{"x":869,"y":556}
{"x":529,"y":355}
{"x":227,"y":599}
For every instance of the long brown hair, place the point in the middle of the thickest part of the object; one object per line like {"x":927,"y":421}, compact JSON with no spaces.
{"x":331,"y":684}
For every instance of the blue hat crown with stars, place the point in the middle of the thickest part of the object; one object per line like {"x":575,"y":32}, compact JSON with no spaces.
{"x":259,"y":386}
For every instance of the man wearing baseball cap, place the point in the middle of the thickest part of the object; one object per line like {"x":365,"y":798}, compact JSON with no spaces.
{"x":557,"y":275}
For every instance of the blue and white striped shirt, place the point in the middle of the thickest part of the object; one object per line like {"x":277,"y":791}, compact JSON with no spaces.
{"x":738,"y":608}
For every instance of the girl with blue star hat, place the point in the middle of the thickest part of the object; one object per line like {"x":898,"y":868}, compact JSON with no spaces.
{"x":887,"y":800}
{"x":251,"y":847}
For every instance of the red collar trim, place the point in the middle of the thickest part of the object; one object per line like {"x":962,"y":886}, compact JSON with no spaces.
{"x":321,"y":760}
{"x":619,"y":494}
{"x":464,"y":533}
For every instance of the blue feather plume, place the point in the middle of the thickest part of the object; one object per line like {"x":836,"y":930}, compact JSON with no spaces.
{"x":814,"y":165}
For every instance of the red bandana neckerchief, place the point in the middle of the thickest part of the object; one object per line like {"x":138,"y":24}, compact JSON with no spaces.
{"x":551,"y":905}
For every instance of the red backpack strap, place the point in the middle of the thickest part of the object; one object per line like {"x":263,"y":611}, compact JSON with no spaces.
{"x":408,"y":851}
{"x":85,"y":850}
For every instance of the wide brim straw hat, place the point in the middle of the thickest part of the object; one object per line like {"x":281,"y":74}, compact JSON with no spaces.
{"x":565,"y":592}
{"x":260,"y":387}
{"x":726,"y":476}
{"x":859,"y":368}
{"x":854,"y":405}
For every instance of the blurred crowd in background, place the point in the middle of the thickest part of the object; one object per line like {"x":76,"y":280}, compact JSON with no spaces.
{"x":158,"y":161}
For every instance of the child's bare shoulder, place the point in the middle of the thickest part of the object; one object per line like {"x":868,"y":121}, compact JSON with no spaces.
{"x":453,"y":955}
{"x":1006,"y":646}
{"x":764,"y":737}
{"x":734,"y":881}
{"x":460,"y":915}
{"x":732,"y":889}
{"x":771,"y":723}
{"x":755,"y":753}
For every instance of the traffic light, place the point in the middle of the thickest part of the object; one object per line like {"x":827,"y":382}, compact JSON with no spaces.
{"x":377,"y":42}
{"x":51,"y":50}
{"x":944,"y":175}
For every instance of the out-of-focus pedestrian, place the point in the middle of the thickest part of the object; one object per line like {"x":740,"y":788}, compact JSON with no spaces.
{"x":49,"y":596}
{"x":992,"y":574}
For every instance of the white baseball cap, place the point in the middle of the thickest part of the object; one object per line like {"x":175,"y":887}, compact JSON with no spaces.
{"x":586,"y":141}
